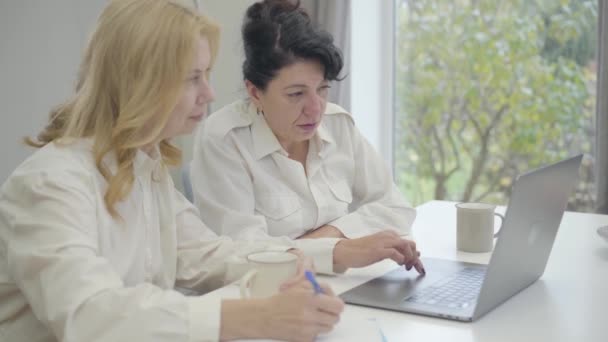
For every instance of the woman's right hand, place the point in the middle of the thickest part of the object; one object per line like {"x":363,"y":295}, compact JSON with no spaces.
{"x":370,"y":249}
{"x":298,"y":314}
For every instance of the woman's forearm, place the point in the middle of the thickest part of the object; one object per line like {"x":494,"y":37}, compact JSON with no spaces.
{"x":243,"y":318}
{"x":325,"y":231}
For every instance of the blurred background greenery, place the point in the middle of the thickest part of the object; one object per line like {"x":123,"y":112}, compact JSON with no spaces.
{"x":488,"y":89}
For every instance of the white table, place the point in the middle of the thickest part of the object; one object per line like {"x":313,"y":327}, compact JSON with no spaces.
{"x":568,"y":303}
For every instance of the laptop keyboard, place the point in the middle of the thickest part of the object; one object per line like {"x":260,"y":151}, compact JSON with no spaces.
{"x":458,"y":290}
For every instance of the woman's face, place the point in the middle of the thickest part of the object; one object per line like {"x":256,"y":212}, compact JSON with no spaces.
{"x":197,"y":94}
{"x":294,"y":101}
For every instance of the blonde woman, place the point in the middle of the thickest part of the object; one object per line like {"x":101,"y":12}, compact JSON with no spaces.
{"x":93,"y":235}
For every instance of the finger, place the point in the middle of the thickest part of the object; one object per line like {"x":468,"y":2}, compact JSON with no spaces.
{"x":326,"y":318}
{"x":393,"y":254}
{"x":412,"y":244}
{"x":327,"y":289}
{"x":415,"y":263}
{"x":394,"y":241}
{"x":294,"y":281}
{"x":391,"y":233}
{"x":305,"y":263}
{"x":310,"y":332}
{"x":419,"y":267}
{"x":301,"y":266}
{"x":309,"y":264}
{"x":412,"y":263}
{"x":409,"y":253}
{"x":306,"y":334}
{"x":410,"y":249}
{"x":324,"y":328}
{"x":329,"y":304}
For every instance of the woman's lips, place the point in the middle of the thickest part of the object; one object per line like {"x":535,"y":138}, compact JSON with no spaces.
{"x":198,"y":117}
{"x":308,"y":127}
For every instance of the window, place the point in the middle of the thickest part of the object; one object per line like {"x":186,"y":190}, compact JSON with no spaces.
{"x":486,"y":89}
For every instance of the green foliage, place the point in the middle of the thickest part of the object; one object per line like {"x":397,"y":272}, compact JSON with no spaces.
{"x":487,"y":89}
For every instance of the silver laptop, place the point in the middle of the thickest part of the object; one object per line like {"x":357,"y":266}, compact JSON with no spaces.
{"x":465,"y":291}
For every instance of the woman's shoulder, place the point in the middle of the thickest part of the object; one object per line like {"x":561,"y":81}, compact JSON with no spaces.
{"x":337,"y":118}
{"x":230,"y":117}
{"x":57,"y":171}
{"x":58,"y":159}
{"x":334,"y":112}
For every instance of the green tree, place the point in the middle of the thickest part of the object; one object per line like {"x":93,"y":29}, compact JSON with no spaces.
{"x":487,"y":89}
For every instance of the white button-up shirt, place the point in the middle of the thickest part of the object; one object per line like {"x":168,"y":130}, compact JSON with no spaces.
{"x":71,"y":272}
{"x":246,"y":186}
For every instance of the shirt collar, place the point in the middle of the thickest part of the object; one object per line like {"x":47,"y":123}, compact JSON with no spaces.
{"x":323,"y":141}
{"x":265,"y":142}
{"x":323,"y":134}
{"x":143,"y":164}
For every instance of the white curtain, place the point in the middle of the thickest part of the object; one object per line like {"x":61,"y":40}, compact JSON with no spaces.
{"x":334,"y":17}
{"x":601,"y":152}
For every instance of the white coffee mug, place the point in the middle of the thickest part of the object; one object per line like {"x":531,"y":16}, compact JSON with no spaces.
{"x":236,"y":267}
{"x":268,"y":271}
{"x":475,"y":227}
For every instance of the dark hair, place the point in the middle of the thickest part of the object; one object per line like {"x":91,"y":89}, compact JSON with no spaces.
{"x":277,"y":33}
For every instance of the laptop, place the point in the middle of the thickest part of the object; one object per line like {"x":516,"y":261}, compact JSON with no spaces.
{"x":466,"y":291}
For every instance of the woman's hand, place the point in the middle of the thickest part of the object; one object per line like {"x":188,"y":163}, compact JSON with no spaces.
{"x":304,"y":261}
{"x":298,"y":314}
{"x":370,"y":249}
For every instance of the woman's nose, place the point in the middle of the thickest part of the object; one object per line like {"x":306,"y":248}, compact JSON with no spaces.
{"x":206,"y":93}
{"x":314,"y":106}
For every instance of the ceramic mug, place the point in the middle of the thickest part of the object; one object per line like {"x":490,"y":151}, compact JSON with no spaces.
{"x":236,"y":267}
{"x":475,"y":227}
{"x":268,"y":271}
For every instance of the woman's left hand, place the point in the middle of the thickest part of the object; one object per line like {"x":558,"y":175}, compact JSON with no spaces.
{"x":305,"y":263}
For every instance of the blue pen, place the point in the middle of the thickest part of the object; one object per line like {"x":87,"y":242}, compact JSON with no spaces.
{"x":311,"y":278}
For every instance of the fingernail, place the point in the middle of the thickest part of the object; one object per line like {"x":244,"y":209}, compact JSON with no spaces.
{"x":423,"y":271}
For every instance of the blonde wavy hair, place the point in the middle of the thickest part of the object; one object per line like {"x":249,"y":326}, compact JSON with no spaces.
{"x":130,"y":79}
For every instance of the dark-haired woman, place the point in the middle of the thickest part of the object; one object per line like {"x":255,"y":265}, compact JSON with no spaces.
{"x":285,"y":164}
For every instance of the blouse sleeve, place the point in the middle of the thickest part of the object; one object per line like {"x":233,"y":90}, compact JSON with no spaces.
{"x":48,"y":233}
{"x":377,"y":203}
{"x":202,"y":255}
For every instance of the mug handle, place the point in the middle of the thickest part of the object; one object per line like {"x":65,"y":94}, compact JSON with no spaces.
{"x":502,"y":220}
{"x":245,"y":281}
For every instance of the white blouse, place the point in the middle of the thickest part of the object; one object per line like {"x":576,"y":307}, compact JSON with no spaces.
{"x":246,"y":186}
{"x":71,"y":272}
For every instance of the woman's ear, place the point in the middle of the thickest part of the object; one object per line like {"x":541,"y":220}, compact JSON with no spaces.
{"x":254,"y":94}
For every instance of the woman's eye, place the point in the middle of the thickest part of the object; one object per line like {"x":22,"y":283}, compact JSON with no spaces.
{"x":296,"y":94}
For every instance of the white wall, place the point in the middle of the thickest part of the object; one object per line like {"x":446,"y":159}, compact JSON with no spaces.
{"x":41,"y":43}
{"x":226,"y":78}
{"x":372,"y":59}
{"x":40,"y":48}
